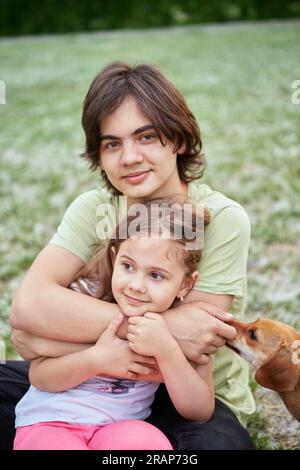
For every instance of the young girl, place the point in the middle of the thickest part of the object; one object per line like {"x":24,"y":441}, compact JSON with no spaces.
{"x":145,"y":272}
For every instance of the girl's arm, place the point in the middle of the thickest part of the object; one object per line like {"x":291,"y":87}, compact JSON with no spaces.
{"x":191,"y":389}
{"x":62,"y":373}
{"x":109,"y":356}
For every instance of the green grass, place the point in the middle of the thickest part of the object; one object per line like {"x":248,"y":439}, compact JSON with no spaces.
{"x":236,"y":79}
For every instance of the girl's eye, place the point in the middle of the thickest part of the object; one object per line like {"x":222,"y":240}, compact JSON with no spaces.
{"x":127,"y":267}
{"x":157,"y":276}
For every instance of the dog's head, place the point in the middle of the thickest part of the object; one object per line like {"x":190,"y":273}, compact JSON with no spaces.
{"x":268,"y":346}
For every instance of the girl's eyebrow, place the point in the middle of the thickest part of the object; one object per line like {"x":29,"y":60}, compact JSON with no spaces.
{"x":154,"y":268}
{"x":147,"y":127}
{"x":128,"y":257}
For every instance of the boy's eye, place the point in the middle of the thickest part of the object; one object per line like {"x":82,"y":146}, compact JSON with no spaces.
{"x":157,"y":276}
{"x":111,"y":145}
{"x":147,"y":137}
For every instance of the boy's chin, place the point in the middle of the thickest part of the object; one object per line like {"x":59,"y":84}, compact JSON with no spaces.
{"x":140,"y":192}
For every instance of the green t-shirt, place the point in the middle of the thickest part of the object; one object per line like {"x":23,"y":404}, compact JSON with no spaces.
{"x":222,"y":267}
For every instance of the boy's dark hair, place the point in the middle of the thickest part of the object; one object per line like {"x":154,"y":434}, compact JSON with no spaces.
{"x":158,"y":99}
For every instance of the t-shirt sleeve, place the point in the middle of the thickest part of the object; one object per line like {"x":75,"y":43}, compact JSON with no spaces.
{"x":223,"y":264}
{"x":77,"y":230}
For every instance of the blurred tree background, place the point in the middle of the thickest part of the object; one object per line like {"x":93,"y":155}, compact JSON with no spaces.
{"x":19,"y":17}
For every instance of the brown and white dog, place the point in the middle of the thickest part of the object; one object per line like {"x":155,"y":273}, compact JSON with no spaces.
{"x":273,"y":350}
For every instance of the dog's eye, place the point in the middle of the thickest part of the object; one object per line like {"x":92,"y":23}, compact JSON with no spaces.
{"x":252,"y":334}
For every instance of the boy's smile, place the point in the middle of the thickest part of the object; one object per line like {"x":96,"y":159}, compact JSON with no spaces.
{"x":137,"y":177}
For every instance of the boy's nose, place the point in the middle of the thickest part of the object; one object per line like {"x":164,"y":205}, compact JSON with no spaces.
{"x":130,"y":154}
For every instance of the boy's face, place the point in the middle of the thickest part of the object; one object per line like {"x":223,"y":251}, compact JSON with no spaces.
{"x":147,"y":276}
{"x":133,"y":157}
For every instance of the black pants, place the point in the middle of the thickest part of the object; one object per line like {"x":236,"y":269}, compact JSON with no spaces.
{"x":223,"y":431}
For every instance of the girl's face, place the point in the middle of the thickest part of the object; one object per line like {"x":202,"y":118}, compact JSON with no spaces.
{"x":133,"y":157}
{"x":147,"y":276}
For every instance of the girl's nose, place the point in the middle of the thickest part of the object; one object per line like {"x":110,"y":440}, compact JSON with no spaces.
{"x":136,"y":284}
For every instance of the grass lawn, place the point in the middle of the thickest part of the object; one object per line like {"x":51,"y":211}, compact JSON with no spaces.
{"x":237,"y":79}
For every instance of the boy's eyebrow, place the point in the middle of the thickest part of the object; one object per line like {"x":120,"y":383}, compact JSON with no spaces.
{"x":155,"y":268}
{"x":147,"y":127}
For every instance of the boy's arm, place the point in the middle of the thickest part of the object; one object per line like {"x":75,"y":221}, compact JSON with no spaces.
{"x":198,"y":324}
{"x":44,"y":306}
{"x":30,"y":347}
{"x":198,"y":330}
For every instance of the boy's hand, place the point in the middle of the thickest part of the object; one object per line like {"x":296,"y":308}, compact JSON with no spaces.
{"x":199,"y":328}
{"x":115,"y":358}
{"x":25,"y":344}
{"x":149,"y":335}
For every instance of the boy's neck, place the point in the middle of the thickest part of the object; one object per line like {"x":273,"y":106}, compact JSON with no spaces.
{"x":179,"y":194}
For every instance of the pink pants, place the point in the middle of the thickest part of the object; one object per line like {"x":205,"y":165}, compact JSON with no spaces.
{"x":129,"y":435}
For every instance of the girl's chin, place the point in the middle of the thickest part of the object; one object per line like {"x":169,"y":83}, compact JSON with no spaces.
{"x":131,"y":311}
{"x":134,"y":314}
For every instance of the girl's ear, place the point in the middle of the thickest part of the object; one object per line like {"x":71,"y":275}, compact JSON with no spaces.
{"x":113,"y":255}
{"x":187,"y":284}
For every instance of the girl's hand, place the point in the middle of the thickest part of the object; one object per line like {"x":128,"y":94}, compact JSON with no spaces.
{"x":149,"y":335}
{"x":115,"y":358}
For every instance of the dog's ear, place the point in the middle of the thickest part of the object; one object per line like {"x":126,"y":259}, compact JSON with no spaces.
{"x":279,"y":374}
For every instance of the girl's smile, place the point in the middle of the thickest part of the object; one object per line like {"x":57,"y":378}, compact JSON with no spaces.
{"x":147,"y":276}
{"x":134,"y":301}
